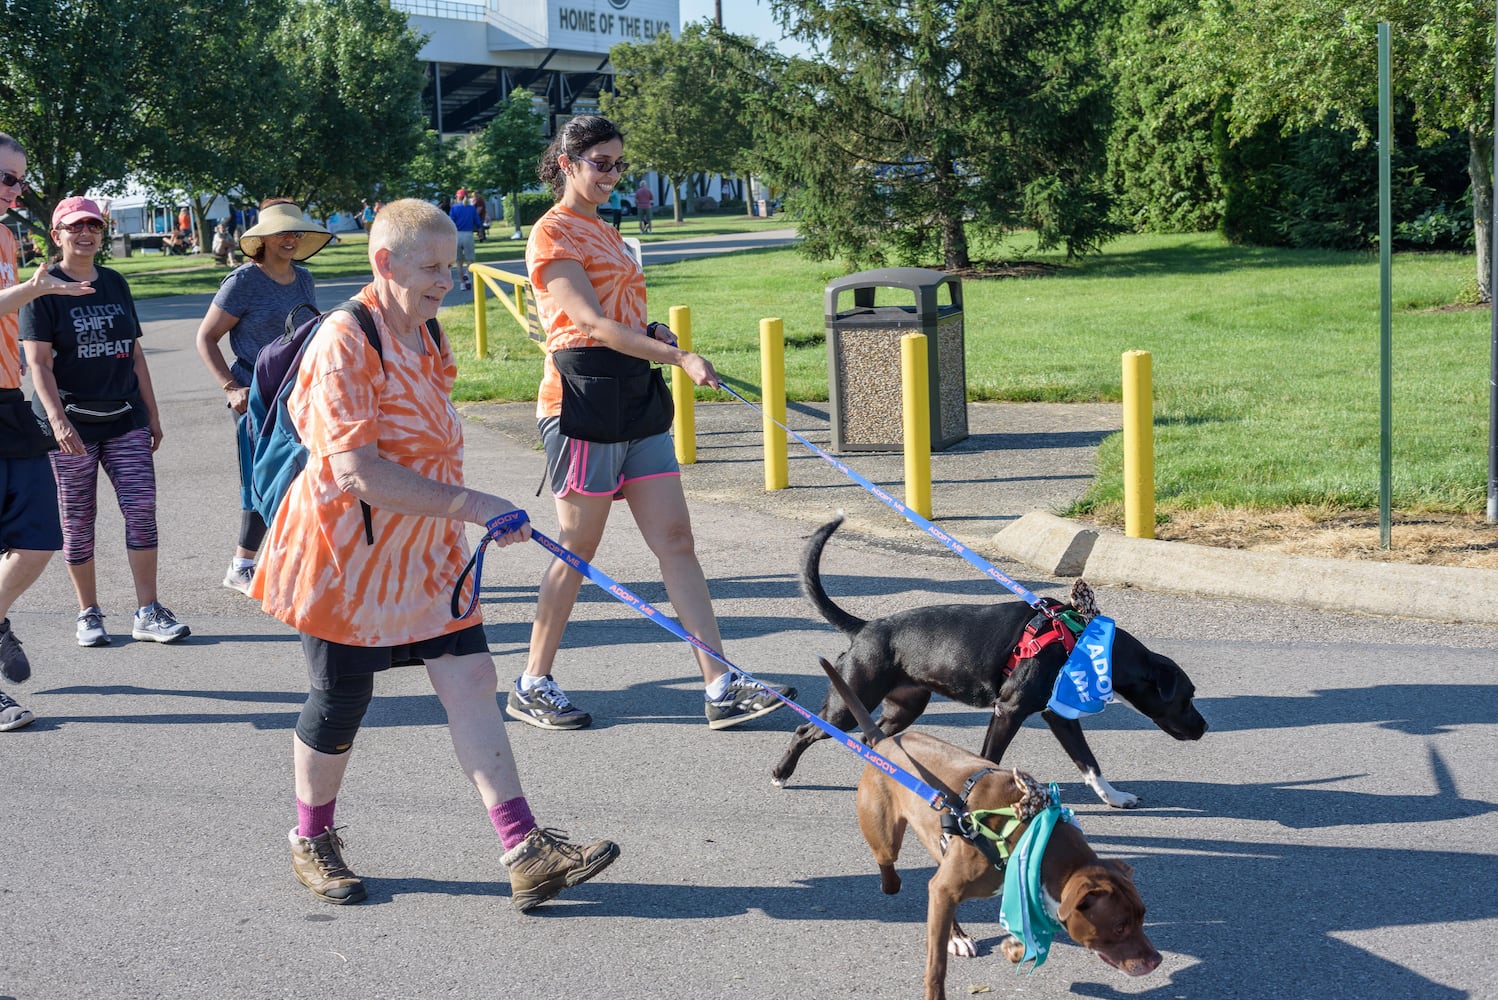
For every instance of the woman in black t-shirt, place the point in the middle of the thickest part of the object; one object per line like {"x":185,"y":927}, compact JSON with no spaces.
{"x":93,"y":387}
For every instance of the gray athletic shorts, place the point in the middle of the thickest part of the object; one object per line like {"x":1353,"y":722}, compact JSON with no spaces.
{"x":600,"y":470}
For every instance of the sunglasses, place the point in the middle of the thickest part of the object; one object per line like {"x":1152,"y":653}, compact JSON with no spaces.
{"x":289,"y":232}
{"x":86,"y":226}
{"x":617,"y":167}
{"x":12,"y":180}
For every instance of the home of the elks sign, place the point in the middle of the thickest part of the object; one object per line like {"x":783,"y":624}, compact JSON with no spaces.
{"x":477,"y":53}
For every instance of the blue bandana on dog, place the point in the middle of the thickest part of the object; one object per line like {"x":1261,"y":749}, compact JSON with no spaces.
{"x":1085,"y":684}
{"x":1023,"y":912}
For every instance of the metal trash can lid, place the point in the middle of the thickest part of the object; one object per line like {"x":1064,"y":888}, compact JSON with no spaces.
{"x":922,"y":282}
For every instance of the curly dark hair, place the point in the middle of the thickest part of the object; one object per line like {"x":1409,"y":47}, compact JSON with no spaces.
{"x":575,"y":138}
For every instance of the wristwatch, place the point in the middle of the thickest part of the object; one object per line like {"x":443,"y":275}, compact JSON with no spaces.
{"x":650,"y":329}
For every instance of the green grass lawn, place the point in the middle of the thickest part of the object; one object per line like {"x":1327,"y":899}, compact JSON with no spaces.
{"x":1265,"y":362}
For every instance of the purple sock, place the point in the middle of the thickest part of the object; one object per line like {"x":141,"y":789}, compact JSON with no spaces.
{"x":312,"y":821}
{"x":513,"y":820}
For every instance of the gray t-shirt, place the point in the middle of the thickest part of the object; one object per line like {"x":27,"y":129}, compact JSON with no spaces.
{"x":261,"y":305}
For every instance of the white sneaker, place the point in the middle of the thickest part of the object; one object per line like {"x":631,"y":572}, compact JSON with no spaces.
{"x":156,"y":624}
{"x":239,"y":579}
{"x":91,"y":627}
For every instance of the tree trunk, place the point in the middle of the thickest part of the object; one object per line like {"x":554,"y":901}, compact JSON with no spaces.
{"x":679,"y":189}
{"x":953,"y":233}
{"x":1482,"y":211}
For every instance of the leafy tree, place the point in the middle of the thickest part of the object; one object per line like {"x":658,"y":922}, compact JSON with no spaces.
{"x":1301,"y":63}
{"x":76,"y":85}
{"x":435,"y":168}
{"x":926,"y":114}
{"x":505,"y":154}
{"x":353,"y":115}
{"x":677,"y":105}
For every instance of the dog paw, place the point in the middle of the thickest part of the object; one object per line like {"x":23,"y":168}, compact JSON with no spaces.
{"x":1013,"y":949}
{"x":962,"y":946}
{"x":1122,"y":800}
{"x":777,"y":782}
{"x":1109,"y":794}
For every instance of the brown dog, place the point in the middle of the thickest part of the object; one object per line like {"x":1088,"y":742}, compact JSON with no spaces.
{"x":1095,"y":900}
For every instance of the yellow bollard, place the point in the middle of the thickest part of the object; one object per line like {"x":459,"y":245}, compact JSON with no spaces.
{"x":683,"y":391}
{"x":480,"y":319}
{"x":772,"y":401}
{"x":915,"y":391}
{"x":1139,"y":446}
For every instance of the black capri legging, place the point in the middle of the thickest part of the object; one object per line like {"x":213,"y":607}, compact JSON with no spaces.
{"x":331,"y":717}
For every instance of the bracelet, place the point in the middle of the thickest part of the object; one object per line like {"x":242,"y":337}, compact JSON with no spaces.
{"x":458,"y":502}
{"x":650,"y":329}
{"x":231,"y":384}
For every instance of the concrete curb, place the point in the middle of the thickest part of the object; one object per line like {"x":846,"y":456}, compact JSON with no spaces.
{"x":1060,"y":547}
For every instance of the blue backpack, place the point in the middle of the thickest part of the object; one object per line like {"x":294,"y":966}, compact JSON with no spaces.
{"x":277,"y":455}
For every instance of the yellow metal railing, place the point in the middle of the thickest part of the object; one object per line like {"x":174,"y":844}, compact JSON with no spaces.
{"x":519,"y":299}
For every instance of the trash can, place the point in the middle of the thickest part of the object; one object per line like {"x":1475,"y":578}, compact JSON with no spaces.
{"x":863,"y":356}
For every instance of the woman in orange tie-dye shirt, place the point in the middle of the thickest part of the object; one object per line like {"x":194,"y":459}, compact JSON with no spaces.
{"x":590,"y":293}
{"x":380,"y":429}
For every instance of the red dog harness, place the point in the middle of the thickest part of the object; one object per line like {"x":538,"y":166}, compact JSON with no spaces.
{"x":1044,"y":629}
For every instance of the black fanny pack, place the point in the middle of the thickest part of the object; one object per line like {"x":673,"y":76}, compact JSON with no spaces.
{"x":609,"y":397}
{"x":22,"y":433}
{"x":95,"y":411}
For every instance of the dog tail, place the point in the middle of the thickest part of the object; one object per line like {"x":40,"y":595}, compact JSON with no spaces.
{"x":811,"y":581}
{"x":872,"y":734}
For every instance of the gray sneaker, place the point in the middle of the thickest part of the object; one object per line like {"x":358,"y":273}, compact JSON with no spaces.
{"x":91,"y":627}
{"x":545,"y":707}
{"x":239,"y":579}
{"x":13,"y":716}
{"x":744,"y":700}
{"x":155,"y":623}
{"x":544,"y":863}
{"x":317,"y":862}
{"x":14,"y":666}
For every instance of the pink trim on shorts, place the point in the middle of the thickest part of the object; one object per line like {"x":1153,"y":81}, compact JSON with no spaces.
{"x":653,"y":475}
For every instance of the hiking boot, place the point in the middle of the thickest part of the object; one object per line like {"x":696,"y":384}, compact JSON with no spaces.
{"x":14,"y":666}
{"x":239,"y":579}
{"x":545,"y":707}
{"x":155,"y":622}
{"x":13,"y":716}
{"x":318,"y":864}
{"x":744,"y":700}
{"x":544,"y":863}
{"x":91,"y":627}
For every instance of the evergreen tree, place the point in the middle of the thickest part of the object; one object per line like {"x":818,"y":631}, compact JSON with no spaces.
{"x":926,"y":114}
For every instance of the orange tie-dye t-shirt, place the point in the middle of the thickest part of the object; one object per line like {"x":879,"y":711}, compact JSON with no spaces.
{"x":318,"y":572}
{"x":10,"y":326}
{"x":562,"y":234}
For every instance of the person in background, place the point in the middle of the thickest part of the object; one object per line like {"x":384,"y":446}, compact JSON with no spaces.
{"x":465,"y":217}
{"x":616,"y":207}
{"x":591,"y":293}
{"x":30,"y":530}
{"x":381,"y":431}
{"x":482,"y":207}
{"x":251,"y":307}
{"x":644,"y":199}
{"x":94,"y":387}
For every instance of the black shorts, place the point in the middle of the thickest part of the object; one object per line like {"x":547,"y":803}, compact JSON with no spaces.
{"x":328,"y":661}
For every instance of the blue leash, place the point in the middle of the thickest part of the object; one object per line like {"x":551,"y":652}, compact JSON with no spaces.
{"x":512,"y":521}
{"x":984,"y":566}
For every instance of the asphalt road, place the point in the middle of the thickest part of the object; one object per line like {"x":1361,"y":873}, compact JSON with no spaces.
{"x":1331,"y":836}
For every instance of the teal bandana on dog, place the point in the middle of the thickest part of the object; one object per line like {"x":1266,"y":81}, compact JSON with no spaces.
{"x":1023,"y":911}
{"x":1085,"y":684}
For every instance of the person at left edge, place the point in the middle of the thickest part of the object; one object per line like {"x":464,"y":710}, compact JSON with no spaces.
{"x":94,"y":387}
{"x":29,"y":527}
{"x":381,"y":430}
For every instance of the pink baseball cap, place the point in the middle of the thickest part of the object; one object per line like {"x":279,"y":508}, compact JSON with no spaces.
{"x":73,"y":209}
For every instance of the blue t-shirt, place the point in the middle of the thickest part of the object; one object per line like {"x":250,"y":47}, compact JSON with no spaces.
{"x":465,"y":217}
{"x":261,"y":305}
{"x":93,"y":349}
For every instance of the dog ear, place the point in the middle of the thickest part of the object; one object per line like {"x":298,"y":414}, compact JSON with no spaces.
{"x":1167,"y":676}
{"x":1080,"y":894}
{"x":1121,"y":867}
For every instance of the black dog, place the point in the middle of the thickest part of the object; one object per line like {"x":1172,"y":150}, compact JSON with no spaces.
{"x":960,"y":651}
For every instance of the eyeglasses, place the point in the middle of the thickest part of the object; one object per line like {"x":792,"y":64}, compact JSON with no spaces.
{"x":87,"y":226}
{"x":617,"y":167}
{"x":12,"y":180}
